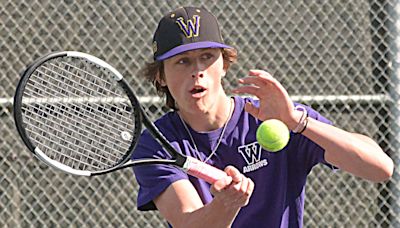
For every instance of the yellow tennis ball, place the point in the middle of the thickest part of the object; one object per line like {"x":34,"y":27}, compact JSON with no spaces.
{"x":273,"y":135}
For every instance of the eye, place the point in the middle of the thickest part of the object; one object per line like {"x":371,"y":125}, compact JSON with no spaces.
{"x":182,"y":61}
{"x":207,"y":55}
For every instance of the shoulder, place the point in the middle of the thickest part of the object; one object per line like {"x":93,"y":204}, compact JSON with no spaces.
{"x":168,"y":125}
{"x":241,"y":101}
{"x":312,"y":113}
{"x":148,"y":146}
{"x":167,"y":121}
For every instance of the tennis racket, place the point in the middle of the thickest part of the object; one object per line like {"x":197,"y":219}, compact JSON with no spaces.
{"x":76,"y":113}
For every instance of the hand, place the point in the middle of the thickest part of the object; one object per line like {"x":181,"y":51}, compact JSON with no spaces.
{"x":235,"y":190}
{"x":275,"y":102}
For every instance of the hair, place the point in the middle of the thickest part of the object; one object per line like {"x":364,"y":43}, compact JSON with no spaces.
{"x":154,"y":71}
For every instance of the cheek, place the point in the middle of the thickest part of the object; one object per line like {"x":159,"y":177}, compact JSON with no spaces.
{"x":172,"y":86}
{"x":170,"y":76}
{"x":174,"y":82}
{"x":218,"y":69}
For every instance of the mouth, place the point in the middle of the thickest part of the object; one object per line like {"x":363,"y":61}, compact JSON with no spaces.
{"x":197,"y":90}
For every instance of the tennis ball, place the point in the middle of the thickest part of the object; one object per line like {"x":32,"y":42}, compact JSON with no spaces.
{"x":273,"y":135}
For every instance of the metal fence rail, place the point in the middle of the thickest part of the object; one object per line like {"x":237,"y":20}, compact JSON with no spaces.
{"x":338,"y":56}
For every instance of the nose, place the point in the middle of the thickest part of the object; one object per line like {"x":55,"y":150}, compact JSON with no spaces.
{"x":198,"y":74}
{"x":198,"y":68}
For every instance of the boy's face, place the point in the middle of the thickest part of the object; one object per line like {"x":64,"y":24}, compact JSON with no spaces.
{"x":194,"y":78}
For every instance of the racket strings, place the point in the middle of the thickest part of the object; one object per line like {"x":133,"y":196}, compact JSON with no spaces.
{"x":79,"y":161}
{"x":100,"y":84}
{"x":79,"y":133}
{"x":74,"y":114}
{"x":61,"y":140}
{"x":78,"y":114}
{"x":71,"y":84}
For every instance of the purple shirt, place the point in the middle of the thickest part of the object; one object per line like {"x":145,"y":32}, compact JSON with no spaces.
{"x":280,"y":177}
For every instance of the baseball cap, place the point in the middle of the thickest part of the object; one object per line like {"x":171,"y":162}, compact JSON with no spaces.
{"x":185,"y":29}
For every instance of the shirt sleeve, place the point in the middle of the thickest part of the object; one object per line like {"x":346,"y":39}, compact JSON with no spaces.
{"x":153,"y":179}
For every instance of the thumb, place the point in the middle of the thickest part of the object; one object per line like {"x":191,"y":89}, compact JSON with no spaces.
{"x":221,"y":184}
{"x":234,"y":173}
{"x":250,"y":108}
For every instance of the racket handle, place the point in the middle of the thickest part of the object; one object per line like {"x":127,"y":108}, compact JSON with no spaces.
{"x":202,"y":170}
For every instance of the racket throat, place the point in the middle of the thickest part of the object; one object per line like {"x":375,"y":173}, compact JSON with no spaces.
{"x":182,"y":161}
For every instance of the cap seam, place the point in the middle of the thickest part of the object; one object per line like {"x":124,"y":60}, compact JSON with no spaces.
{"x":187,"y":18}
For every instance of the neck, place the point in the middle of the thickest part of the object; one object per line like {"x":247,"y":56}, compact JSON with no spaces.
{"x":213,"y":119}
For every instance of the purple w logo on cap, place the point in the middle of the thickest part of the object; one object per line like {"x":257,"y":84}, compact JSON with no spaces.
{"x":191,"y":28}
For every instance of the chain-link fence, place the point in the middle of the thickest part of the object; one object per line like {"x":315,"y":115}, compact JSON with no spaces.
{"x":339,"y":56}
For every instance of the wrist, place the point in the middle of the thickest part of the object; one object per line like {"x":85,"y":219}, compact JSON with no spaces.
{"x":226,"y":207}
{"x":294,"y":121}
{"x":300,"y":121}
{"x":224,"y":204}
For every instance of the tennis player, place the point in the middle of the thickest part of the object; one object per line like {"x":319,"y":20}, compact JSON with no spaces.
{"x":263,"y":189}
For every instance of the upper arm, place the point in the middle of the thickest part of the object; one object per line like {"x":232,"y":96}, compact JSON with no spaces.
{"x":368,"y":144}
{"x":177,"y":200}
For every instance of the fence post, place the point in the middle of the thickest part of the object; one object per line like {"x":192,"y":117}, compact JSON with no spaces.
{"x":394,"y":28}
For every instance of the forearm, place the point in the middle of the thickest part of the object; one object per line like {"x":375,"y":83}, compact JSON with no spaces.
{"x":181,"y":205}
{"x":351,"y":152}
{"x":214,"y":214}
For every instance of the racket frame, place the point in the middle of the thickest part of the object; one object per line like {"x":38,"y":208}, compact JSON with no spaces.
{"x":18,"y":117}
{"x":190,"y":165}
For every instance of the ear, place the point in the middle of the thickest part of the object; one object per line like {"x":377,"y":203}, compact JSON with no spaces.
{"x":225,"y":67}
{"x":223,"y":72}
{"x":160,"y":80}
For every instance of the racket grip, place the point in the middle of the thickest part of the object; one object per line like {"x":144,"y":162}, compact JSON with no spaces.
{"x":202,"y":170}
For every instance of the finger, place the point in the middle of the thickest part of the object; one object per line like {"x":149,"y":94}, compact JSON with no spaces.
{"x":258,"y":81}
{"x":234,"y":173}
{"x":221,"y":184}
{"x":260,"y":73}
{"x":241,"y":192}
{"x":250,"y":187}
{"x":253,"y":90}
{"x":247,"y":190}
{"x":245,"y":185}
{"x":250,"y":108}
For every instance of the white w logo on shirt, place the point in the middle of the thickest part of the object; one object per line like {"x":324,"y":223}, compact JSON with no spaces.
{"x":251,"y":152}
{"x":252,"y":155}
